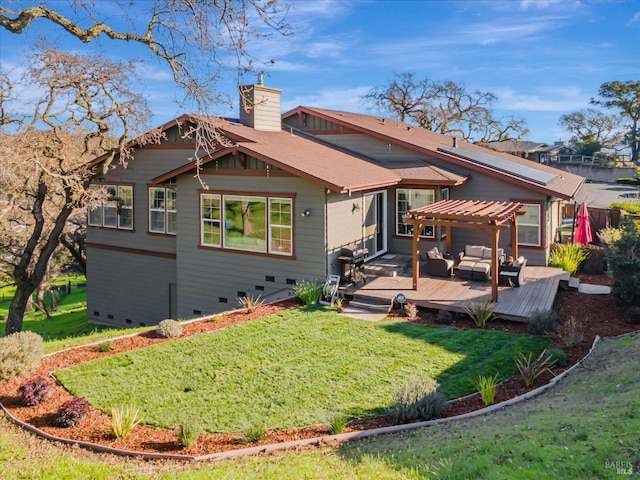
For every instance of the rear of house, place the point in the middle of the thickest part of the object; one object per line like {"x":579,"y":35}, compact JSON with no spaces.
{"x":277,"y":202}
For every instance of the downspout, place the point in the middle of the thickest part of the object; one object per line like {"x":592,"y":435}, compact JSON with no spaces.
{"x":326,"y":233}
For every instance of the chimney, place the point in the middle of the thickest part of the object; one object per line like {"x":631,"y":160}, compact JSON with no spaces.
{"x":260,"y":107}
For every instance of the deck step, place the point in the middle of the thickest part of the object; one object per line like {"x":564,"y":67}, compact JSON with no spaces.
{"x":574,"y":283}
{"x":370,"y":304}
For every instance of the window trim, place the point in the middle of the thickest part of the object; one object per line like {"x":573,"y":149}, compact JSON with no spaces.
{"x":397,"y":212}
{"x":165,"y":209}
{"x":267,"y":197}
{"x":539,"y":225}
{"x":118,"y":207}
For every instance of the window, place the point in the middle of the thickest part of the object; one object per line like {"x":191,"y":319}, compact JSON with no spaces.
{"x":247,"y":222}
{"x":406,"y":199}
{"x":115,"y":210}
{"x":529,"y":225}
{"x":162,"y":210}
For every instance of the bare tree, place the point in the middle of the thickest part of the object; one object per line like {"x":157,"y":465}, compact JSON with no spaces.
{"x":445,"y":107}
{"x":592,"y":126}
{"x":85,"y":108}
{"x":195,"y":38}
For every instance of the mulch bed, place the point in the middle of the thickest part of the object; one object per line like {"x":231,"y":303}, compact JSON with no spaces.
{"x":598,"y":314}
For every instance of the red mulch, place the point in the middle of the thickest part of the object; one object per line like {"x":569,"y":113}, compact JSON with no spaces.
{"x":598,"y":314}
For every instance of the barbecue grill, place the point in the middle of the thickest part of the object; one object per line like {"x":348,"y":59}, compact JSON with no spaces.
{"x":352,"y":259}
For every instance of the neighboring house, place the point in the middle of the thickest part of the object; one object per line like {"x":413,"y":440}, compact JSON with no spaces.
{"x":277,"y":201}
{"x":520,"y":148}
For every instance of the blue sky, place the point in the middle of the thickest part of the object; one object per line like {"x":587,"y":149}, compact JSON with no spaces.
{"x":541,"y":58}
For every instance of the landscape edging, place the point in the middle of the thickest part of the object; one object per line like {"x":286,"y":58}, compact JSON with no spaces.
{"x":339,"y":438}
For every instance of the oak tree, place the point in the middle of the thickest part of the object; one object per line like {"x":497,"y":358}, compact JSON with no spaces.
{"x":593,"y":127}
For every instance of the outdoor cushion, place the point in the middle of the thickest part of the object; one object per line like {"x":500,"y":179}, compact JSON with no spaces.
{"x":486,"y":253}
{"x":481,"y":271}
{"x":433,"y":253}
{"x":473,"y":251}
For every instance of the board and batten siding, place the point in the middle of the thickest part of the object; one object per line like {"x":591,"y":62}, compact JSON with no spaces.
{"x":129,"y":290}
{"x":211,"y":280}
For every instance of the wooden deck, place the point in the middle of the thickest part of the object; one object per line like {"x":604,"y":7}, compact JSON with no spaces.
{"x":538,"y":292}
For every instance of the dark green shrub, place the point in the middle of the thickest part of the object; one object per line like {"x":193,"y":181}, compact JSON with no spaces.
{"x":557,"y":356}
{"x":444,"y":317}
{"x":531,"y":368}
{"x":308,"y":292}
{"x":104,"y":347}
{"x":20,"y":355}
{"x":542,"y":321}
{"x":35,"y":391}
{"x":72,"y":412}
{"x":633,"y":314}
{"x":481,"y":312}
{"x":336,"y":422}
{"x":419,"y":399}
{"x":188,"y":432}
{"x":168,"y":329}
{"x":624,"y":263}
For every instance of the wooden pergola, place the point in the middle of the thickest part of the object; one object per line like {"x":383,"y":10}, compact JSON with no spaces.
{"x":491,"y":217}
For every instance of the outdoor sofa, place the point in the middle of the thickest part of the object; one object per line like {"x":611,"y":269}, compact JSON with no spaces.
{"x":439,"y":264}
{"x":475,"y":262}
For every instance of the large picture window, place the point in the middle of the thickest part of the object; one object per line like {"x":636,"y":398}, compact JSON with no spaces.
{"x":116,"y":208}
{"x":247,"y":222}
{"x":162,"y":210}
{"x":529,"y":231}
{"x":406,"y":199}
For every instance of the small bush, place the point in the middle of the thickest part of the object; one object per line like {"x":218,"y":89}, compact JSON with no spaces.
{"x":444,"y":317}
{"x":168,"y":329}
{"x":531,"y":368}
{"x":336,"y":422}
{"x":542,"y":321}
{"x":253,"y":432}
{"x":123,"y":419}
{"x":20,"y":355}
{"x":557,"y":356}
{"x":624,"y":263}
{"x":250,"y":303}
{"x":308,"y":292}
{"x":481,"y":312}
{"x":568,"y":257}
{"x":633,"y":314}
{"x":411,"y":310}
{"x":487,"y":388}
{"x":72,"y":412}
{"x":35,"y":391}
{"x":419,"y":399}
{"x":572,"y":332}
{"x":188,"y":432}
{"x":104,"y":347}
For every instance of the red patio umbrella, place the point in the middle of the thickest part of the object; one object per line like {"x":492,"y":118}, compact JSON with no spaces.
{"x":583,"y":234}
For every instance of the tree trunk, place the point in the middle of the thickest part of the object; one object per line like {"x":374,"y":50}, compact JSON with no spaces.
{"x":40,"y":304}
{"x":17,"y":308}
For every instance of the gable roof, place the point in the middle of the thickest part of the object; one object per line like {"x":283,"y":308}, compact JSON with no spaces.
{"x":422,"y":141}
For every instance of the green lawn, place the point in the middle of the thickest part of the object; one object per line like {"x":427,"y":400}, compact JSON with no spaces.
{"x":290,"y":369}
{"x":585,"y":427}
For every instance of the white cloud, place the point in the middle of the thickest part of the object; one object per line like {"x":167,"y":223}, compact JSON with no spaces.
{"x":635,"y":19}
{"x":566,"y":99}
{"x":348,"y":99}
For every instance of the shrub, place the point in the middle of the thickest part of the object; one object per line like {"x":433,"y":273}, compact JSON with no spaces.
{"x":531,"y":368}
{"x":487,"y":388}
{"x":188,"y":432}
{"x":411,"y":310}
{"x":104,"y":347}
{"x":444,"y":317}
{"x":168,"y":329}
{"x":572,"y":332}
{"x":35,"y":391}
{"x":624,"y":263}
{"x":72,"y":412}
{"x":336,"y":422}
{"x":557,"y":356}
{"x":419,"y":399}
{"x":481,"y":312}
{"x":253,"y":432}
{"x":568,"y":257}
{"x":123,"y":419}
{"x":633,"y":314}
{"x":542,"y":321}
{"x":608,"y":235}
{"x":308,"y":292}
{"x":250,"y":303}
{"x":20,"y":355}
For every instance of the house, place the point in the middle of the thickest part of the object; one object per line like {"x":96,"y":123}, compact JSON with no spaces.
{"x":276,"y":202}
{"x":520,"y":148}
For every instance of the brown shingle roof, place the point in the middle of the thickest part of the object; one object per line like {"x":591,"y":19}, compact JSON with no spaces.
{"x":564,"y":185}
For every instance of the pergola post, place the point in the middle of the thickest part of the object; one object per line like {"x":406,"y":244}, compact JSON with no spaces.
{"x":495,"y":240}
{"x":415,"y":259}
{"x":514,"y":238}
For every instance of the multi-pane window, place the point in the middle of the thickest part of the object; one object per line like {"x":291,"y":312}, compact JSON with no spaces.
{"x":115,"y":210}
{"x":407,"y":199}
{"x":529,"y":230}
{"x":247,"y":222}
{"x":162,"y":210}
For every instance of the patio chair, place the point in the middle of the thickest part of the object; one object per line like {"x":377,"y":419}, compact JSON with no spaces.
{"x":439,"y":264}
